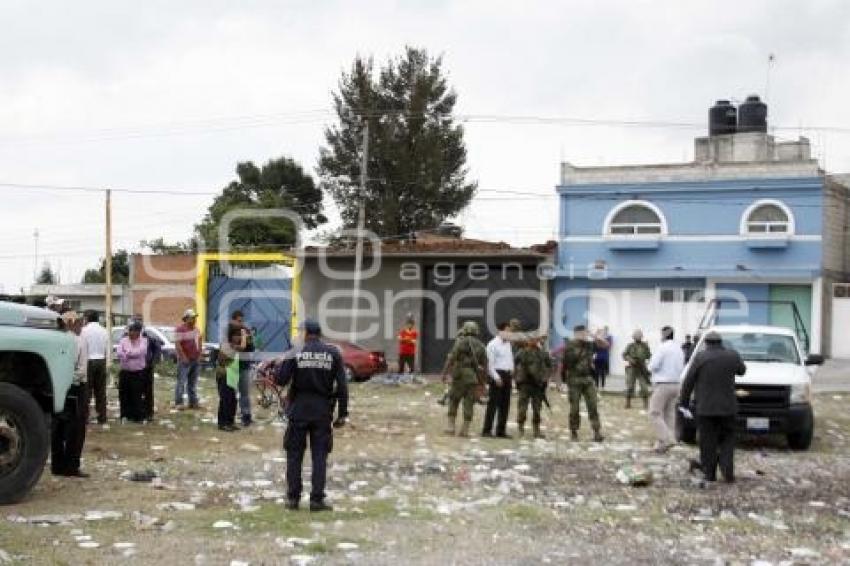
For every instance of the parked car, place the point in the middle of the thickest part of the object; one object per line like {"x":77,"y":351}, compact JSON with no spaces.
{"x":166,"y":335}
{"x":774,"y":395}
{"x":36,"y":371}
{"x":360,"y":364}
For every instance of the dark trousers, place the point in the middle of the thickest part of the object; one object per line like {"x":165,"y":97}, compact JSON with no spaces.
{"x":717,"y":445}
{"x":97,"y":387}
{"x":600,"y":372}
{"x":68,"y":433}
{"x":131,"y":395}
{"x":295,"y":443}
{"x":147,"y":392}
{"x":406,"y":361}
{"x":498,"y":404}
{"x":226,"y":400}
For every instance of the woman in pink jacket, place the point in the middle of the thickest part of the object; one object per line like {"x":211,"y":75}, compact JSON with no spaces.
{"x":132,"y":352}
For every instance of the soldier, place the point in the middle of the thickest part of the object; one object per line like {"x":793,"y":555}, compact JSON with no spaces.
{"x":533,"y":366}
{"x":637,"y":355}
{"x":577,"y":373}
{"x":466,"y":362}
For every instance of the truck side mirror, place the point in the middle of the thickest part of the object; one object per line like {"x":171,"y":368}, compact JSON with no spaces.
{"x":814,"y":360}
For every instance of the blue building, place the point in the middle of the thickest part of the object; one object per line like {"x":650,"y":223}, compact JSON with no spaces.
{"x":749,"y":219}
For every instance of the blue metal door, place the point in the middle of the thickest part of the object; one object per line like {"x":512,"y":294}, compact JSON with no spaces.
{"x":266,"y":304}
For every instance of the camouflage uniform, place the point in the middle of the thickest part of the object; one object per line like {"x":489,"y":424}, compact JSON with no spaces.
{"x":467,"y":354}
{"x":533,"y":365}
{"x":637,"y":354}
{"x":578,"y":372}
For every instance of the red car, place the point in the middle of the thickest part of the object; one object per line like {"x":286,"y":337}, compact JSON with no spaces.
{"x":360,"y":364}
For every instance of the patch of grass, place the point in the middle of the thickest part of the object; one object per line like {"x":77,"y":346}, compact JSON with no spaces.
{"x":527,"y":513}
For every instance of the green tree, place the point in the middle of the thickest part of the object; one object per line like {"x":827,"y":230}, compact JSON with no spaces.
{"x":280,"y":183}
{"x":47,"y":276}
{"x":417,"y":157}
{"x":159,"y":246}
{"x":120,"y":270}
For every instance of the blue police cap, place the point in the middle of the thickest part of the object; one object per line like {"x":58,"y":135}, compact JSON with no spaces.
{"x":311,"y":326}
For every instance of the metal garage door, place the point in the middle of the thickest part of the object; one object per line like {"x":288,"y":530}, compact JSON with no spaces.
{"x":265,"y":302}
{"x":624,"y":310}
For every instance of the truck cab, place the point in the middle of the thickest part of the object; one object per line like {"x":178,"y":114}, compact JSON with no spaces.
{"x":36,"y":371}
{"x":774,"y":395}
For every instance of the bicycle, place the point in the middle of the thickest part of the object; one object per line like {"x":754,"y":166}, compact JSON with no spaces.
{"x":270,"y":393}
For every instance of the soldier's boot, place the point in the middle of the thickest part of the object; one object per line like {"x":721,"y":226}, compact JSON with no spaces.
{"x":628,"y":402}
{"x":537,"y":432}
{"x":597,"y":436}
{"x":450,"y":425}
{"x":464,"y":429}
{"x":573,"y":435}
{"x":521,"y":428}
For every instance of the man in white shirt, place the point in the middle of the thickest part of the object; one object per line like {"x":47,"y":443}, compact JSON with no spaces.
{"x":68,"y":434}
{"x":666,"y":365}
{"x":500,"y":367}
{"x":97,"y":343}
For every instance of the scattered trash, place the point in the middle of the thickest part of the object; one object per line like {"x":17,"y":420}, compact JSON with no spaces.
{"x":636,"y":476}
{"x":123,"y":545}
{"x":102,"y":515}
{"x":222,"y":525}
{"x":804,"y":552}
{"x":140,"y":475}
{"x":89,"y":544}
{"x":347,"y":546}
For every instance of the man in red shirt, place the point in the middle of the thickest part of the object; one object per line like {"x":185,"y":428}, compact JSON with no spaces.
{"x":188,"y":347}
{"x":407,"y":346}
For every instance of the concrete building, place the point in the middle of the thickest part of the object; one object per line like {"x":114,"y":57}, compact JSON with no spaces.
{"x":750,"y":218}
{"x":162,"y":287}
{"x":87,"y":296}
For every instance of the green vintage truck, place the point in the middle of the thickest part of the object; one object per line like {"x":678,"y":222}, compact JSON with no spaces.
{"x":36,"y":370}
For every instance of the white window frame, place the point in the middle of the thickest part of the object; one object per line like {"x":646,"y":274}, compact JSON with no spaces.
{"x":635,"y":235}
{"x":745,"y":221}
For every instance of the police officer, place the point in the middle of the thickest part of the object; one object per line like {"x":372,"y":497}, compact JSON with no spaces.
{"x":577,"y":373}
{"x":712,"y":376}
{"x":312,"y":373}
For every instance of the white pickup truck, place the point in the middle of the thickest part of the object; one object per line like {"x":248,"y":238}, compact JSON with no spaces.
{"x":774,"y":396}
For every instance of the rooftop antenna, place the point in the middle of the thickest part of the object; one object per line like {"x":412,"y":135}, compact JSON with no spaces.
{"x":771,"y":61}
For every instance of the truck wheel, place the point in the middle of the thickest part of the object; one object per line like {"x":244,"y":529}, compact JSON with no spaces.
{"x":24,"y":443}
{"x":685,"y":430}
{"x":802,"y":439}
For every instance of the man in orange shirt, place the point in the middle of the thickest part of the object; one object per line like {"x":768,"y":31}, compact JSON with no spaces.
{"x":407,"y":346}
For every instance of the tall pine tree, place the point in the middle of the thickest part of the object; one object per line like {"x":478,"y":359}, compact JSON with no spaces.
{"x":417,"y":157}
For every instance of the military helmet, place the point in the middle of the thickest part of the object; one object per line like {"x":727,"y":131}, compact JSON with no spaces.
{"x":469,"y":328}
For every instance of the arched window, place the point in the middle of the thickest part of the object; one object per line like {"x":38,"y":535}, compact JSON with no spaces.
{"x":635,"y":218}
{"x":767,"y":218}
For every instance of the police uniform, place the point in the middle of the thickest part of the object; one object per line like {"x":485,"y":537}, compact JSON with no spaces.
{"x":316,"y":377}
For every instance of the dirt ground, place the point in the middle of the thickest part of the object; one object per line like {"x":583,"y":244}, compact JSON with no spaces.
{"x":405,"y":494}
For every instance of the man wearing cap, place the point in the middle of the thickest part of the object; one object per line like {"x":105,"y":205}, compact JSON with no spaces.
{"x":188,"y":349}
{"x":316,"y":379}
{"x":711,"y":375}
{"x":577,"y":373}
{"x":69,"y":428}
{"x":637,"y":355}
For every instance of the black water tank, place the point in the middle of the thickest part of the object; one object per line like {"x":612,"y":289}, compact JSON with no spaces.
{"x":752,"y":115}
{"x":722,"y":118}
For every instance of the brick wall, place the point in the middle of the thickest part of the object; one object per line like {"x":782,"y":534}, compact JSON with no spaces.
{"x":162,"y":286}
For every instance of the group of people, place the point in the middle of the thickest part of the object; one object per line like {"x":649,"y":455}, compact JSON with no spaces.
{"x":516,"y":358}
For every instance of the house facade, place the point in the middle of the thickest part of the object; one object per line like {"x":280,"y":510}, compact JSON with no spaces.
{"x":750,"y":220}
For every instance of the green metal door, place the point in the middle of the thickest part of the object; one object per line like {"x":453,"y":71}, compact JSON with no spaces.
{"x":782,"y":315}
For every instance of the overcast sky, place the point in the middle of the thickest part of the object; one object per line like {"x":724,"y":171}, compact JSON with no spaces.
{"x":171,"y":95}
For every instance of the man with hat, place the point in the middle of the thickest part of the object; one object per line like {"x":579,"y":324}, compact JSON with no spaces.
{"x":187,"y":345}
{"x":69,"y":428}
{"x":316,"y":377}
{"x":711,"y":375}
{"x":578,"y":375}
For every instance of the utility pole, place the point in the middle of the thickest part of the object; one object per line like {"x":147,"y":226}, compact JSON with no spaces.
{"x":35,"y":267}
{"x":108,"y":274}
{"x":361,"y":227}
